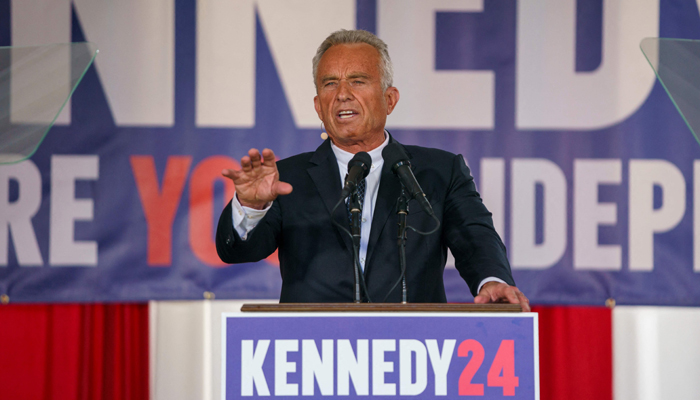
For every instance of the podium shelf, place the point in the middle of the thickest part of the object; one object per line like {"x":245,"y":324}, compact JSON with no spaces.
{"x":382,"y":307}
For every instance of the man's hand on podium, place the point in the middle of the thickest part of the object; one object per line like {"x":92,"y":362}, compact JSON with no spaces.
{"x":498,"y":292}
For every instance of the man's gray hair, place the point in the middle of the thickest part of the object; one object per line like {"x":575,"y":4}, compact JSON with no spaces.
{"x":353,"y":37}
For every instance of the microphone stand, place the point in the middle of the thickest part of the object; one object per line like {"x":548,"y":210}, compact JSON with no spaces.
{"x":402,"y":211}
{"x":356,"y":231}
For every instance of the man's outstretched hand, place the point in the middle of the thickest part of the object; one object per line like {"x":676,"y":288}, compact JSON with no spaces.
{"x":498,"y":292}
{"x":258,"y":181}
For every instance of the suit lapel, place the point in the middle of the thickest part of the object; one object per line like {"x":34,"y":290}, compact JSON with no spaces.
{"x":389,"y":191}
{"x":325,"y":170}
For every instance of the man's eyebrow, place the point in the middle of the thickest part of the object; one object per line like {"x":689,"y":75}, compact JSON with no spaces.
{"x":354,"y":75}
{"x":329,"y":78}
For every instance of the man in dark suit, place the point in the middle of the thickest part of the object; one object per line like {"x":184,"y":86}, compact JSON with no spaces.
{"x":353,"y":74}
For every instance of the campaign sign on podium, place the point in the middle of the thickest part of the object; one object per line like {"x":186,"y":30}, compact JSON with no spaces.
{"x":365,"y":355}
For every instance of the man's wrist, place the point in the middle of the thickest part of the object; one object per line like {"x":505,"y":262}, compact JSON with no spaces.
{"x":253,"y":205}
{"x":488,"y":280}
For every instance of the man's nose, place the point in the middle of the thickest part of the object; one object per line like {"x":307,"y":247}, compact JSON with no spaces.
{"x":344,"y":91}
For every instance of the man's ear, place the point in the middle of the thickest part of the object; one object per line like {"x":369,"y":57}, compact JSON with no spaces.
{"x":317,"y":106}
{"x":392,"y":97}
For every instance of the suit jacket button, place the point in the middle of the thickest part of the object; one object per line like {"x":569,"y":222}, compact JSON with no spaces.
{"x":228,"y":240}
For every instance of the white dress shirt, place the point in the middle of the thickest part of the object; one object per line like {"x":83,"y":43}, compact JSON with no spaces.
{"x":371,"y":190}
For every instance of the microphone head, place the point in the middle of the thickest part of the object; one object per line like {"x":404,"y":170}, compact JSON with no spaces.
{"x":361,"y":159}
{"x":395,"y":155}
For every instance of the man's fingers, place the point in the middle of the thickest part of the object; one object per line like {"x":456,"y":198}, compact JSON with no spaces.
{"x":246,"y":166}
{"x":282,"y":188}
{"x":515,"y":296}
{"x":269,"y":158}
{"x":231,"y":174}
{"x":254,"y":155}
{"x":524,"y":302}
{"x":502,"y":293}
{"x":511,"y":296}
{"x":481,"y":299}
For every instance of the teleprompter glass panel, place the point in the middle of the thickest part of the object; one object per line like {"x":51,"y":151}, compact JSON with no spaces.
{"x":35,"y":85}
{"x":676,"y":63}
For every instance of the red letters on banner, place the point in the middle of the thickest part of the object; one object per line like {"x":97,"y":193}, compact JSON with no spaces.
{"x":161,"y":201}
{"x":160,"y":205}
{"x":501,"y":373}
{"x":466,"y":387}
{"x":202,"y":212}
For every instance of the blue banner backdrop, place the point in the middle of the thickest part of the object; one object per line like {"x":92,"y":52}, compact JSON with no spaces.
{"x":588,"y":168}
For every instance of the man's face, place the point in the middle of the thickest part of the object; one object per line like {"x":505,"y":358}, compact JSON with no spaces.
{"x":350,"y":100}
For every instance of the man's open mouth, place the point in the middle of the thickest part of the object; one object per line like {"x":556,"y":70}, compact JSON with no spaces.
{"x":346,"y":114}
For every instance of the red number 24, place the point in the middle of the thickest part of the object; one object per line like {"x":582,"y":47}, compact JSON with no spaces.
{"x":501,"y":373}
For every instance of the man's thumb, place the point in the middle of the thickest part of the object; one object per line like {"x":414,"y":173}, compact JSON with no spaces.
{"x":282,"y":188}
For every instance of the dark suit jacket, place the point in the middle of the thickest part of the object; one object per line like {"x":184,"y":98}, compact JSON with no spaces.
{"x":316,"y":259}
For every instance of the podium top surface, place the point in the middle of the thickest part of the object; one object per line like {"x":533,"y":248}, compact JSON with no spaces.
{"x":381,"y":307}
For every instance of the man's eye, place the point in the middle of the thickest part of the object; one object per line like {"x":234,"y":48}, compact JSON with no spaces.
{"x":358,"y":82}
{"x":330,"y":84}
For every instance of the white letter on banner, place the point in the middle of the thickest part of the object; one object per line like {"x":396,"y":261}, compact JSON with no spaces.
{"x":350,"y":367}
{"x":226,"y":54}
{"x":408,"y":347}
{"x":314,"y":365}
{"x":493,"y":190}
{"x":644,"y":220}
{"x":589,"y":214}
{"x":284,"y":367}
{"x":225,"y":63}
{"x":64,"y":250}
{"x":526,"y":175}
{"x":551,"y":94}
{"x":16,"y":216}
{"x":251,"y":367}
{"x":429,"y":98}
{"x":440,"y":362}
{"x":136,"y":65}
{"x":696,"y":215}
{"x":380,"y":367}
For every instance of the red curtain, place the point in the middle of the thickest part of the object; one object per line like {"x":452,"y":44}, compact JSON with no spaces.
{"x":96,"y":351}
{"x":74,"y":351}
{"x":575,"y":353}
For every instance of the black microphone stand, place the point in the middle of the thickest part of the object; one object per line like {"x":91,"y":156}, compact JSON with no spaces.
{"x":356,"y":231}
{"x":402,"y":211}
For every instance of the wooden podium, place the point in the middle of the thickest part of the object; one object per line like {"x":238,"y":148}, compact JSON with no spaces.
{"x":382,"y":307}
{"x":366,"y":350}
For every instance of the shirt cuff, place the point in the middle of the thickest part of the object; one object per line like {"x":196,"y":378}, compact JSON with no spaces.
{"x":487,"y":280}
{"x":245,"y":219}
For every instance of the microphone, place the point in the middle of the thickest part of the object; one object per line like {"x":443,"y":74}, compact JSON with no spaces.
{"x":358,"y":169}
{"x":395,"y":156}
